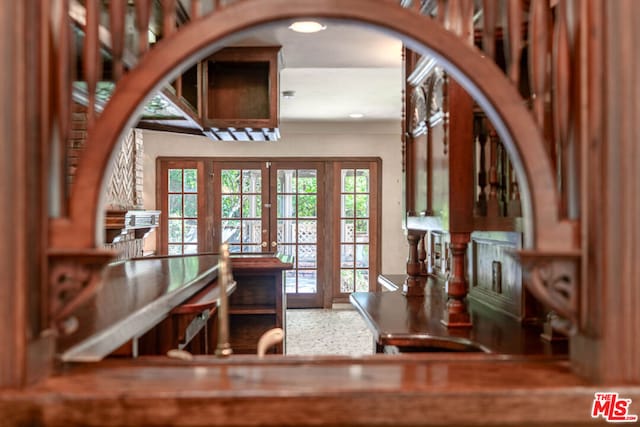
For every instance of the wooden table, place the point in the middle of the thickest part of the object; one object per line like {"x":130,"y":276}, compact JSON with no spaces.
{"x":134,"y":297}
{"x":412,"y":324}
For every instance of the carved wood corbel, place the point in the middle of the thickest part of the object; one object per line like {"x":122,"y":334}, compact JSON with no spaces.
{"x":74,"y":277}
{"x":553,"y":278}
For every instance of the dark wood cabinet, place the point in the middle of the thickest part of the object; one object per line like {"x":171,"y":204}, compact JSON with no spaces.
{"x":258,"y":304}
{"x":241,"y":90}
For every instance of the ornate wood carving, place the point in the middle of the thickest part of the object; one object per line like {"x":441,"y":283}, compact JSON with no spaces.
{"x":524,"y":140}
{"x":553,"y":279}
{"x":73,"y":278}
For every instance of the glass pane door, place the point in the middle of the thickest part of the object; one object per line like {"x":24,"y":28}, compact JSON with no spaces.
{"x":357,"y":218}
{"x":182,"y":208}
{"x":240,"y":188}
{"x":298,"y":223}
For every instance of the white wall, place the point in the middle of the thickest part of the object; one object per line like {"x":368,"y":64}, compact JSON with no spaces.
{"x":306,"y":139}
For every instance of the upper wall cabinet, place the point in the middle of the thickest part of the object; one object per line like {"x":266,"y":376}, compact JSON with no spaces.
{"x":241,"y":90}
{"x":230,"y":96}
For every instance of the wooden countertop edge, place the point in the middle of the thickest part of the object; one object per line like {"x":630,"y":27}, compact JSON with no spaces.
{"x":376,"y":391}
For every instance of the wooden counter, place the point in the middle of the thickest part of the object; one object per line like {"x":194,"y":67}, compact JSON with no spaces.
{"x":135,"y":296}
{"x":414,"y":324}
{"x":381,"y":390}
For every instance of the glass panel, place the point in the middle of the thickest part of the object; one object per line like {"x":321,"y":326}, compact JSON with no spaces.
{"x":307,"y":231}
{"x":286,"y":206}
{"x":289,"y":250}
{"x":307,"y":181}
{"x":175,"y":205}
{"x":252,"y":181}
{"x":230,"y":179}
{"x":346,"y":281}
{"x":286,"y":231}
{"x":252,"y":206}
{"x":252,"y":231}
{"x":190,"y":182}
{"x":190,"y":249}
{"x":175,"y":249}
{"x":286,"y":181}
{"x":362,"y":256}
{"x":362,"y":181}
{"x":175,"y":181}
{"x":347,"y":206}
{"x":307,"y":256}
{"x":191,"y":205}
{"x":234,"y":249}
{"x":362,"y":230}
{"x":290,"y":281}
{"x":307,"y":281}
{"x":230,"y":231}
{"x":307,"y":206}
{"x":347,"y":230}
{"x":347,"y":181}
{"x":175,"y":231}
{"x":251,"y":248}
{"x":346,"y":256}
{"x":231,"y":206}
{"x":190,"y":231}
{"x":362,"y":205}
{"x":362,"y":280}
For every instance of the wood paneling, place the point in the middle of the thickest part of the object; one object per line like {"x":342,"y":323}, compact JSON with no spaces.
{"x":495,"y":277}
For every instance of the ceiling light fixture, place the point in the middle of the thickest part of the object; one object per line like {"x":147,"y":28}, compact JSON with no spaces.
{"x":307,"y":27}
{"x":356,"y":115}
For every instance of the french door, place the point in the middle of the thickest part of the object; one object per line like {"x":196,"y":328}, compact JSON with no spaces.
{"x":274,"y":207}
{"x":297,"y":217}
{"x":323,"y":213}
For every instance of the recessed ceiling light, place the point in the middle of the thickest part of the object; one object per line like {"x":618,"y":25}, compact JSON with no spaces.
{"x":356,"y":115}
{"x":307,"y":27}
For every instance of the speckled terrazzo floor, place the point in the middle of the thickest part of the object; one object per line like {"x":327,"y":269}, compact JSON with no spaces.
{"x":327,"y":332}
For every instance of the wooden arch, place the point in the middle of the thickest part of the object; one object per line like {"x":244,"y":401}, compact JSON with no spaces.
{"x":478,"y":75}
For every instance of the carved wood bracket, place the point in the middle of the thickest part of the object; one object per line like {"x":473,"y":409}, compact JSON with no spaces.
{"x":74,"y":277}
{"x":553,"y":278}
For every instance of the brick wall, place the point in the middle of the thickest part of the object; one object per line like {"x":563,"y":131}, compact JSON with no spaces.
{"x":125,"y":186}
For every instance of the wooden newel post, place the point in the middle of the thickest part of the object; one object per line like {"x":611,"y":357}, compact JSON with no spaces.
{"x":413,"y":285}
{"x":456,"y":313}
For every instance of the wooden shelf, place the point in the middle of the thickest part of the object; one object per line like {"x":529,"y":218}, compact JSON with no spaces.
{"x":253,"y":310}
{"x":257,"y":305}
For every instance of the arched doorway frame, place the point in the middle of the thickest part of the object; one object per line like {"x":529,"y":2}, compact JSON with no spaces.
{"x":514,"y":123}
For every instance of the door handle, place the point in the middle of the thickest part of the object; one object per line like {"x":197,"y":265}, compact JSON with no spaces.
{"x":264,"y":244}
{"x":274,"y":244}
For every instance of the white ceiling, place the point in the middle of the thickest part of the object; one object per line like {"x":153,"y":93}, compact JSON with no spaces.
{"x":341,"y":70}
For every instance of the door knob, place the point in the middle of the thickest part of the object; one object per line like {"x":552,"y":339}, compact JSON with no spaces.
{"x":274,"y":244}
{"x":264,"y":244}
